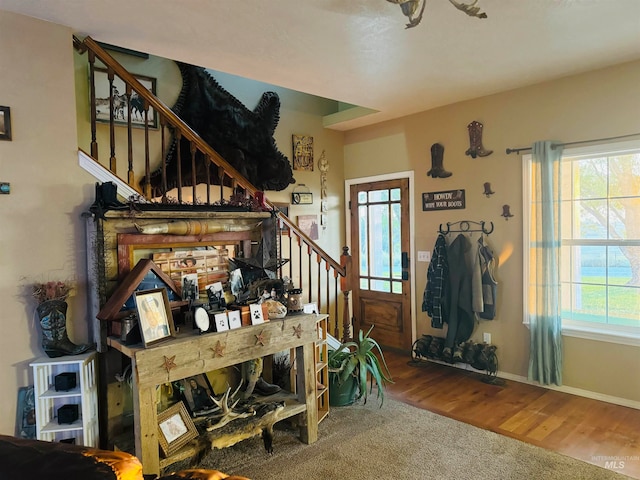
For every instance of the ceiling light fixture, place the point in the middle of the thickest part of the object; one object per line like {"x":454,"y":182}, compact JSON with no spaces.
{"x":413,"y":9}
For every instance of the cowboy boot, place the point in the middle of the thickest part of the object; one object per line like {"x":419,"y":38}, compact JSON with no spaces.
{"x":53,"y":320}
{"x":475,"y":140}
{"x":437,"y":159}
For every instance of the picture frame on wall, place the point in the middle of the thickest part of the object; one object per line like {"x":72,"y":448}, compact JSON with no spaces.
{"x":154,"y":315}
{"x":302,"y":152}
{"x":5,"y":123}
{"x":309,"y":225}
{"x":120,"y":110}
{"x":175,"y":429}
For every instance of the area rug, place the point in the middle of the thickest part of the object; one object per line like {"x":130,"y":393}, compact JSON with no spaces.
{"x":397,"y":441}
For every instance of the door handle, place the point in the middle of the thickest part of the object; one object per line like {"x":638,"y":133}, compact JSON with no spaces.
{"x":405,"y":260}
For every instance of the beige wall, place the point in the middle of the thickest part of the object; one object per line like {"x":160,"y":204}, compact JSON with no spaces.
{"x":42,"y":235}
{"x":593,"y":105}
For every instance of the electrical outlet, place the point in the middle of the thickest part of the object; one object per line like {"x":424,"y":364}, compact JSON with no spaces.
{"x":424,"y":256}
{"x":486,"y":338}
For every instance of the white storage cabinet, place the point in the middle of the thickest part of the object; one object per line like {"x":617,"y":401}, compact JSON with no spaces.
{"x":48,"y":400}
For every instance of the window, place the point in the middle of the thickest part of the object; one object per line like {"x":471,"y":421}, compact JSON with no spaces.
{"x":600,"y":253}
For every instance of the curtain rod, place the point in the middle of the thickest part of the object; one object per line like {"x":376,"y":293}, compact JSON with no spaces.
{"x":523,"y":149}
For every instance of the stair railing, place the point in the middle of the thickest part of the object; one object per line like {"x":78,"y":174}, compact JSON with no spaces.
{"x":325,"y":293}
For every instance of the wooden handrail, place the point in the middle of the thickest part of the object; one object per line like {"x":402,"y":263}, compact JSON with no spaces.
{"x":166,"y":112}
{"x":167,"y":118}
{"x":306,"y":239}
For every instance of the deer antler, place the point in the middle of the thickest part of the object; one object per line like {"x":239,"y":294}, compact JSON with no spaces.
{"x":228,"y":414}
{"x":469,"y":8}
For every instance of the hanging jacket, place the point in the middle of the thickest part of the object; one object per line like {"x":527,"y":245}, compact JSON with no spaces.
{"x":489,"y":284}
{"x":475,"y":263}
{"x":460,"y":312}
{"x":437,"y":284}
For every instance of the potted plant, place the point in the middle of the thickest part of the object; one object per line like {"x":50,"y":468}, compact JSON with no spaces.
{"x":349,"y":367}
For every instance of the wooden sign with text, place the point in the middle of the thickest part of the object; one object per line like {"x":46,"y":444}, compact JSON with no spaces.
{"x":448,"y":200}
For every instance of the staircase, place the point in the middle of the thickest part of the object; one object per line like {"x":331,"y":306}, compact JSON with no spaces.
{"x":324,"y":280}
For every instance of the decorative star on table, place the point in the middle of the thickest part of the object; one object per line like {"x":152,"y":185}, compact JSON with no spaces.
{"x":218,"y":350}
{"x":297,"y":331}
{"x":169,"y":363}
{"x":260,"y":338}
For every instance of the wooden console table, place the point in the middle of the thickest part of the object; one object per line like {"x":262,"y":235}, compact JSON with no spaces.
{"x":189,"y":355}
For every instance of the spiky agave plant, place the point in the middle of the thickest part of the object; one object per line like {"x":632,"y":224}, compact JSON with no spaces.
{"x":358,"y":359}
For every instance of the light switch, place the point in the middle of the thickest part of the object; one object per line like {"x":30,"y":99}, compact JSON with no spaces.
{"x":424,"y":256}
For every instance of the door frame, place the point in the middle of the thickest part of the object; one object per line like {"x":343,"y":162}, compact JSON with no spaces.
{"x":377,"y":178}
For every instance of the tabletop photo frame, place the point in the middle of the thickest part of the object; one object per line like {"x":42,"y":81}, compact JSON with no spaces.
{"x":197,"y":393}
{"x":175,"y":429}
{"x":154,"y":315}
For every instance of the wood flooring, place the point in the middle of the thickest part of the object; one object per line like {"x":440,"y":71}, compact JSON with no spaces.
{"x":590,"y":430}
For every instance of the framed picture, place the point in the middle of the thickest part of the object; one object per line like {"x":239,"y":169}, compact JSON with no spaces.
{"x":284,"y":208}
{"x":190,"y":289}
{"x":235,"y":319}
{"x":120,"y":111}
{"x":5,"y":123}
{"x":309,"y":225}
{"x":26,"y":413}
{"x":222,"y":322}
{"x":154,"y":315}
{"x":175,"y":429}
{"x":196,"y":393}
{"x":256,"y":314}
{"x":302,"y":152}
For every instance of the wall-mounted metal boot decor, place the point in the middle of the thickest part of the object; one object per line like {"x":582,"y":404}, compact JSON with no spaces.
{"x":487,"y":189}
{"x":506,"y":213}
{"x":437,"y":159}
{"x":475,"y":140}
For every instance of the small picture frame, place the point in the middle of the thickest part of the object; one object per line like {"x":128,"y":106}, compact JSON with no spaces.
{"x":257,"y":316}
{"x":154,"y":315}
{"x":120,"y":110}
{"x":235,"y":319}
{"x":196,"y":393}
{"x":190,"y":288}
{"x":310,"y":308}
{"x":222,"y":322}
{"x":175,"y":429}
{"x":5,"y":123}
{"x":284,"y":208}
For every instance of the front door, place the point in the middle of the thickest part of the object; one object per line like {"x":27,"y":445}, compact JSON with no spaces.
{"x":380,"y":250}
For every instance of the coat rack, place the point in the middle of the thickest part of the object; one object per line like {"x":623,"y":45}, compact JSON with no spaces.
{"x":466,"y":226}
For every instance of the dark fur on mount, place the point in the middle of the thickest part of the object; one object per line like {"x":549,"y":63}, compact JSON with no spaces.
{"x":243,"y":137}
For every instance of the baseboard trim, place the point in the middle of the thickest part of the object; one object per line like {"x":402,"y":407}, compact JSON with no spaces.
{"x":624,"y":402}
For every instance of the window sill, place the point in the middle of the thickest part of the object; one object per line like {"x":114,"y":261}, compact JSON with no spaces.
{"x":591,"y":333}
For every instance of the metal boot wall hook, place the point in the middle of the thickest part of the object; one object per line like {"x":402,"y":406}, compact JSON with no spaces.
{"x":466,"y":226}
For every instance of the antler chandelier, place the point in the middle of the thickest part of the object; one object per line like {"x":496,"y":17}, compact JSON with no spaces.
{"x":413,"y":9}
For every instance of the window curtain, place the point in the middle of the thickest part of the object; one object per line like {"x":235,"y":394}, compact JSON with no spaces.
{"x":545,"y":361}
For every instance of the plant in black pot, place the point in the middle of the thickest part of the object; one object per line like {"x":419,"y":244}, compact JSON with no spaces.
{"x":349,"y":367}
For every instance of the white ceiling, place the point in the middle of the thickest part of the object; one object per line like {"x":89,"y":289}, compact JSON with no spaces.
{"x":358,"y":51}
